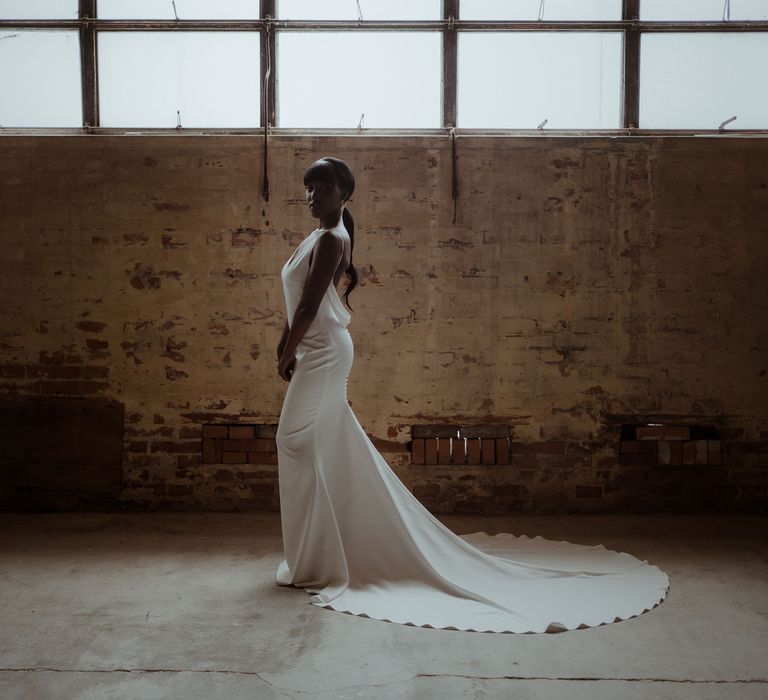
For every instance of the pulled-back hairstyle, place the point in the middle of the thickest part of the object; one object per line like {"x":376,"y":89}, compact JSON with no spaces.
{"x":344,"y":178}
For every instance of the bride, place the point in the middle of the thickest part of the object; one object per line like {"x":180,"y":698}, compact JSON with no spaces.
{"x":354,"y":536}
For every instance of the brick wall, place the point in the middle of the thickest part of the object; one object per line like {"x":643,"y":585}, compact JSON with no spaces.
{"x":587,"y":283}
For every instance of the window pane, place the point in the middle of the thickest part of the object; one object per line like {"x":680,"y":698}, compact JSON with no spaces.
{"x":517,"y":79}
{"x":703,"y":10}
{"x":38,"y":9}
{"x":185,"y":9}
{"x":40,"y":78}
{"x":697,"y":81}
{"x":524,"y":10}
{"x":212,"y":78}
{"x":393,"y":78}
{"x":370,"y":9}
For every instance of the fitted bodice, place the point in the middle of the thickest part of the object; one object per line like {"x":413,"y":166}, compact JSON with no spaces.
{"x":331,"y":313}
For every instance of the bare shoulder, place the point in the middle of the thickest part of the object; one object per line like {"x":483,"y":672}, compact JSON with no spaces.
{"x":331,"y":239}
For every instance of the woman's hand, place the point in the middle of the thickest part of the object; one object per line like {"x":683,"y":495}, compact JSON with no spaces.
{"x":286,"y":366}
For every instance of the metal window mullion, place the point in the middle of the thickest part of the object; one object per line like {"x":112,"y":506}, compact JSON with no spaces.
{"x":88,"y":63}
{"x":631,"y":78}
{"x":450,"y":54}
{"x":268,"y":43}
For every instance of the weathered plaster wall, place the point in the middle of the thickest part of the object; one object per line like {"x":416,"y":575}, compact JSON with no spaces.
{"x":586,"y":282}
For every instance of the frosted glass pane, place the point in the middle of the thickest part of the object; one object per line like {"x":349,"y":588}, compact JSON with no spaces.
{"x":38,"y":9}
{"x":370,"y":9}
{"x":698,"y":80}
{"x":40,"y":78}
{"x":185,"y":9}
{"x":393,"y":78}
{"x":212,"y":78}
{"x":516,"y":80}
{"x":703,"y":10}
{"x":524,"y":10}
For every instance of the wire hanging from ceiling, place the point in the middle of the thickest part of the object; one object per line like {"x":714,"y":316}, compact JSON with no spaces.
{"x":265,"y":116}
{"x":454,"y":175}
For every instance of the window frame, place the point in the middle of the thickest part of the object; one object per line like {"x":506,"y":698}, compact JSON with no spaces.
{"x":631,"y":26}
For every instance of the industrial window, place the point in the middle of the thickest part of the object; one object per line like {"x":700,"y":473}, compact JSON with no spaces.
{"x":704,"y":10}
{"x":571,"y":80}
{"x":393,"y":81}
{"x":179,"y":79}
{"x":348,"y":9}
{"x":40,"y":9}
{"x":621,"y":66}
{"x":40,"y":78}
{"x":700,"y":81}
{"x":188,"y":9}
{"x":536,"y":10}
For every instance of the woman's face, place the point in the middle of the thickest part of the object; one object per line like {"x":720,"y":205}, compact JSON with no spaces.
{"x":323,"y":196}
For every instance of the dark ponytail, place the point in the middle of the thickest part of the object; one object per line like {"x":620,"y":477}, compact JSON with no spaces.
{"x":351,"y":272}
{"x":346,"y":182}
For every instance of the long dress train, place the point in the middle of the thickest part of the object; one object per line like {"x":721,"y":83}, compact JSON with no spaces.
{"x":357,"y":539}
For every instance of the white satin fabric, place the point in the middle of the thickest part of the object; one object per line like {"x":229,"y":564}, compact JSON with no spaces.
{"x":357,"y":539}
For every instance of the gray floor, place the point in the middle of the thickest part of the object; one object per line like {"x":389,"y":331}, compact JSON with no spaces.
{"x":184,"y":606}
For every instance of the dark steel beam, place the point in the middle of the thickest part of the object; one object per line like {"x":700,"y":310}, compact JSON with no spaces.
{"x":450,"y":62}
{"x":382,"y":25}
{"x":631,"y":77}
{"x":268,"y":61}
{"x":89,"y":87}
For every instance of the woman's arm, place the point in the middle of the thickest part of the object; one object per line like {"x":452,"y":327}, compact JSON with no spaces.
{"x":283,"y":340}
{"x":325,"y":261}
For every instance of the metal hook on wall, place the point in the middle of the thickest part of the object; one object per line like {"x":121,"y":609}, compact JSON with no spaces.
{"x":454,"y":175}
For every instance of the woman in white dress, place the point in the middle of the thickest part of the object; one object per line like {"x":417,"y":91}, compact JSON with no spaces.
{"x":354,"y":536}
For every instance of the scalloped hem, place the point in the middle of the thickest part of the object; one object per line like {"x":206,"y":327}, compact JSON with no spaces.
{"x":549,"y":627}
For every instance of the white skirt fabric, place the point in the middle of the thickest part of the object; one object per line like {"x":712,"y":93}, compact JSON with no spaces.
{"x":359,"y":542}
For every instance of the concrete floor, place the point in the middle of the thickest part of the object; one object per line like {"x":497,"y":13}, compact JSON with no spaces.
{"x":168,"y":605}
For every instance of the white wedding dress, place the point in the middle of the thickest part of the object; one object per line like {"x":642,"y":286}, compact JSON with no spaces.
{"x":357,"y":539}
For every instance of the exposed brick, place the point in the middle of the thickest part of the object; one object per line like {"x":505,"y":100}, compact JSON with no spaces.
{"x":473,"y":451}
{"x":662,"y":432}
{"x":458,"y":454}
{"x":502,"y":451}
{"x":241,"y":432}
{"x":444,"y":450}
{"x":234,"y":458}
{"x":418,"y":451}
{"x":689,"y":452}
{"x":430,"y":451}
{"x":211,"y":451}
{"x":244,"y":445}
{"x":489,"y":450}
{"x":262,"y":458}
{"x":215,"y":431}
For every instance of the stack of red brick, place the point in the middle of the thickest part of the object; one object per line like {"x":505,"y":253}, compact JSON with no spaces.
{"x":669,"y":445}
